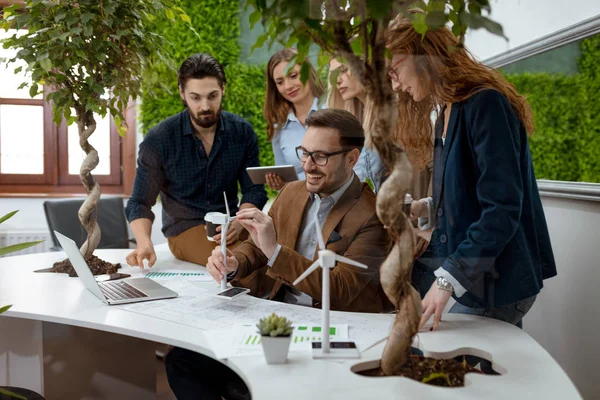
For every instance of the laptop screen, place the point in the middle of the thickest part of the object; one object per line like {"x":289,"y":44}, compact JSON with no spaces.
{"x":81,"y":267}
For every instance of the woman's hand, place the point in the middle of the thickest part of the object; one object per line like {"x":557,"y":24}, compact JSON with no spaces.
{"x":418,"y":209}
{"x":274,"y":181}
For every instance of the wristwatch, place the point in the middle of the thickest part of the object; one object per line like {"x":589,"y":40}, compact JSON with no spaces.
{"x":444,"y":284}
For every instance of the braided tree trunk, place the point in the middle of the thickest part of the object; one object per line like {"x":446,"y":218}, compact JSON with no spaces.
{"x":396,"y":270}
{"x":87,"y":215}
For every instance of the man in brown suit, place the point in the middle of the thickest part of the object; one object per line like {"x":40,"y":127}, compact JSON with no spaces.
{"x":283,"y":244}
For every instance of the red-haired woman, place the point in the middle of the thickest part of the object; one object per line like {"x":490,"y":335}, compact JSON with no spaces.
{"x":490,"y":247}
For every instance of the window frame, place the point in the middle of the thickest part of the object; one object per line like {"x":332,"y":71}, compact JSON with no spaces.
{"x":49,"y":146}
{"x":562,"y":189}
{"x":56,"y":181}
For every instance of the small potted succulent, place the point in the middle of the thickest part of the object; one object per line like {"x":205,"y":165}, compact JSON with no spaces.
{"x":276,"y":337}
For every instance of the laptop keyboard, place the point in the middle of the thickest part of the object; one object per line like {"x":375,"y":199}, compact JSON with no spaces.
{"x":120,"y":291}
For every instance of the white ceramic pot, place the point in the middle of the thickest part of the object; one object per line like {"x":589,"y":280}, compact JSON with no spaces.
{"x":276,"y":348}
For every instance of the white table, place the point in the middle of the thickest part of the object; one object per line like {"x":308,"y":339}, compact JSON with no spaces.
{"x":529,"y":371}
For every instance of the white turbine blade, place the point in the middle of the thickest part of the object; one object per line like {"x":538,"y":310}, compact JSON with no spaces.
{"x":306,"y":273}
{"x":319,"y":233}
{"x":349,"y":261}
{"x":226,"y":205}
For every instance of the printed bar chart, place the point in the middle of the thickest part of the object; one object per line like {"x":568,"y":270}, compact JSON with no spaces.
{"x":301,"y":335}
{"x":180,"y":274}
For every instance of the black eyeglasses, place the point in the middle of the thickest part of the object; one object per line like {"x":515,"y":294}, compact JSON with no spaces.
{"x":320,"y":158}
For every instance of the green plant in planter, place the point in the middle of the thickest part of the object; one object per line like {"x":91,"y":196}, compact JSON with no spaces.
{"x":274,"y":325}
{"x":3,"y":251}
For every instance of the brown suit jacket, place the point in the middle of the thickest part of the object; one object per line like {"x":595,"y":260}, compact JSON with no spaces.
{"x":360,"y":236}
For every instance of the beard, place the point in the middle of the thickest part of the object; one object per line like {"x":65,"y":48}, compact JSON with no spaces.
{"x":206,"y":119}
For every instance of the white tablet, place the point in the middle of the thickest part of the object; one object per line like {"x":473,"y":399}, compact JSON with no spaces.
{"x":286,"y":172}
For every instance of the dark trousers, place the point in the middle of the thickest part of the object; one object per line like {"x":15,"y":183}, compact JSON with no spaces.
{"x":198,"y":377}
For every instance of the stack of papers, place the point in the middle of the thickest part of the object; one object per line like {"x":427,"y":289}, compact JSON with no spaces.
{"x":221,"y":320}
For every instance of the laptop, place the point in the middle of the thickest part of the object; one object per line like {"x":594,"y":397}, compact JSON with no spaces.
{"x":121,"y":291}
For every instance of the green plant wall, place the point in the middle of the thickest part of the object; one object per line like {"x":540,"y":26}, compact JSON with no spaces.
{"x":217,"y":23}
{"x":566,"y":142}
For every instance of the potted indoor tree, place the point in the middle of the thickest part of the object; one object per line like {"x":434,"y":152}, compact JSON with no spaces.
{"x":89,"y":58}
{"x":276,"y":337}
{"x":354,"y":31}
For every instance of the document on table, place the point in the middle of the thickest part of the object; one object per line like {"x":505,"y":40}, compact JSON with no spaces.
{"x":188,"y":275}
{"x":200,"y":308}
{"x":244,"y":340}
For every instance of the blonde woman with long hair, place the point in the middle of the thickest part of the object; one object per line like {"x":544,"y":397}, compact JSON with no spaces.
{"x":349,"y":94}
{"x":288,"y":102}
{"x":490,"y":248}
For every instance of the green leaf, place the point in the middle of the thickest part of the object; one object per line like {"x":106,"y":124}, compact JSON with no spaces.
{"x":86,"y":17}
{"x":46,"y":64}
{"x":356,"y":46}
{"x":185,"y":18}
{"x":60,"y":16}
{"x":436,"y":19}
{"x":323,"y":59}
{"x":11,"y":394}
{"x":419,"y":24}
{"x":8,"y":216}
{"x":33,"y":90}
{"x":5,"y":308}
{"x":436,"y":375}
{"x":304,"y":71}
{"x":17,"y":247}
{"x":260,"y":41}
{"x":254,"y":18}
{"x":81,"y":54}
{"x":169,"y":13}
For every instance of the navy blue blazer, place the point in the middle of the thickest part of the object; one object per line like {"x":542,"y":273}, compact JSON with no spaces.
{"x":490,"y":232}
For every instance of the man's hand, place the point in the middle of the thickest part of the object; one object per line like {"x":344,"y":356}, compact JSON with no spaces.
{"x":215,"y":265}
{"x":274,"y":181}
{"x":233,"y":232}
{"x":433,"y":304}
{"x":261,"y":228}
{"x":144,"y":251}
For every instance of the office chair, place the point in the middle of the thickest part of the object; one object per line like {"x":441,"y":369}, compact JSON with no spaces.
{"x":61,"y":216}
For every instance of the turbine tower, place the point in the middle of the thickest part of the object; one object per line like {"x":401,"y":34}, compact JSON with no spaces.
{"x":327,"y":260}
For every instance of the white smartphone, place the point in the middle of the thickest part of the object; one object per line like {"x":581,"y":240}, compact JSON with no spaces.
{"x":232,"y":292}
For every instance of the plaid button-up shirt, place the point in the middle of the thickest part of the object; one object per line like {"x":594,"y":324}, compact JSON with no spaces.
{"x":173,"y":162}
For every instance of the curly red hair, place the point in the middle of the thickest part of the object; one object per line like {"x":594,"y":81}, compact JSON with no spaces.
{"x":450,"y":73}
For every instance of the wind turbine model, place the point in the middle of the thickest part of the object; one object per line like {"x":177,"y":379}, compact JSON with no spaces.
{"x":224,"y":220}
{"x":327,"y":260}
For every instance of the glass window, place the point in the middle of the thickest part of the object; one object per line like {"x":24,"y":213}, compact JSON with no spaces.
{"x":21,"y":139}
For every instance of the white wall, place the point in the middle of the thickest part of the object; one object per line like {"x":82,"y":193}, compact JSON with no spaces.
{"x":527,"y":20}
{"x":565,"y":319}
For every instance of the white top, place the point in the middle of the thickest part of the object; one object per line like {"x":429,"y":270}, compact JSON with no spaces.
{"x":530,"y":370}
